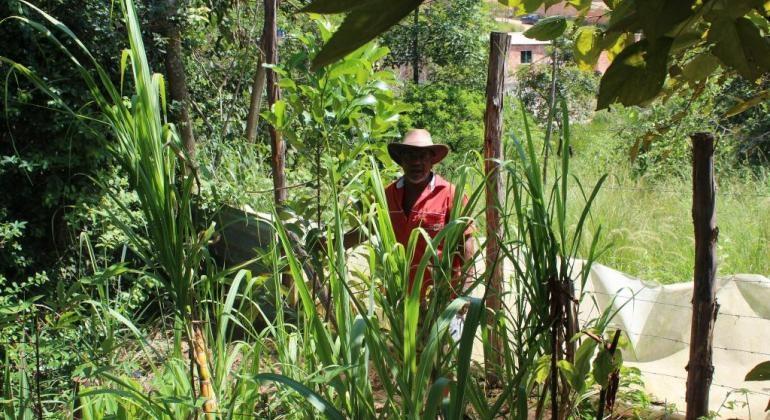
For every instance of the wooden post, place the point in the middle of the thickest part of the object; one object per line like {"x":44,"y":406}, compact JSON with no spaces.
{"x":277,"y":145}
{"x":255,"y":102}
{"x":493,"y":152}
{"x":700,"y":370}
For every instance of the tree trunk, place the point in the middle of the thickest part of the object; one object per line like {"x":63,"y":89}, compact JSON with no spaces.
{"x":700,"y":370}
{"x":278,"y":147}
{"x":493,"y":153}
{"x":255,"y":105}
{"x":177,"y":83}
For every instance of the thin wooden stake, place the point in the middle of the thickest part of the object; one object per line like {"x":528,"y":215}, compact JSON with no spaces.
{"x":493,"y":154}
{"x":278,"y":146}
{"x":700,"y":370}
{"x":255,"y":102}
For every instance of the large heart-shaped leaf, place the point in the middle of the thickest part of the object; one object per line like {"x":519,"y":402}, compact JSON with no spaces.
{"x":659,"y":16}
{"x":587,"y":47}
{"x":547,"y":29}
{"x":760,"y":372}
{"x":700,"y":67}
{"x":362,"y":25}
{"x":738,"y":44}
{"x":636,"y":75}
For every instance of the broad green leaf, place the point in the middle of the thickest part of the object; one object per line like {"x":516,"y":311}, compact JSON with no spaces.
{"x":547,"y":29}
{"x":347,"y":66}
{"x":658,"y":16}
{"x":542,"y":368}
{"x":286,"y":83}
{"x":760,"y":372}
{"x":624,"y":18}
{"x":364,"y":101}
{"x":730,"y":9}
{"x":604,"y":365}
{"x":361,"y":25}
{"x":700,"y":67}
{"x":614,"y":43}
{"x":744,"y":105}
{"x":739,"y":45}
{"x":279,"y":110}
{"x":582,"y":6}
{"x":587,"y":47}
{"x":573,"y":378}
{"x":760,"y":21}
{"x":583,"y":356}
{"x":636,"y":75}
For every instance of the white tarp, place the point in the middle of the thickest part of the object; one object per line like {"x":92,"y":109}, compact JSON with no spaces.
{"x":657,"y":321}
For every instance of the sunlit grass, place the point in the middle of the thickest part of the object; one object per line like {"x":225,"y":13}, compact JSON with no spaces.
{"x":648,"y":222}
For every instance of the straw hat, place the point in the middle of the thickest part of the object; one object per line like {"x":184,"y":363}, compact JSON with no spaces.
{"x":418,"y":138}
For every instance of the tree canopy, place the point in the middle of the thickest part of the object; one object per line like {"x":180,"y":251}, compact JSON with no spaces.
{"x":649,"y":41}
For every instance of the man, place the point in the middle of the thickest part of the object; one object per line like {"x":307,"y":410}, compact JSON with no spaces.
{"x":421,"y":198}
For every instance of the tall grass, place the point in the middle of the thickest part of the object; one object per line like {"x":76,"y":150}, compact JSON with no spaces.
{"x":648,"y":222}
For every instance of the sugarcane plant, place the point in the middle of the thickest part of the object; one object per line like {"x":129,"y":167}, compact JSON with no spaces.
{"x":149,"y":151}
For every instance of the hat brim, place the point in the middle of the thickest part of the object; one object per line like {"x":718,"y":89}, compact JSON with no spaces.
{"x":439,"y":151}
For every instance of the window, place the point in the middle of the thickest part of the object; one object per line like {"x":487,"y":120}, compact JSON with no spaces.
{"x":526,"y":57}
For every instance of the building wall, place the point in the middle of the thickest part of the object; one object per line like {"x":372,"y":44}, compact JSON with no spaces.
{"x":596,"y":14}
{"x":603,"y":62}
{"x":514,"y":55}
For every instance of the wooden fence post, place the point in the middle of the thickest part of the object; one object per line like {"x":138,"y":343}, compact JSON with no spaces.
{"x":493,"y":153}
{"x":700,"y":370}
{"x":278,"y":146}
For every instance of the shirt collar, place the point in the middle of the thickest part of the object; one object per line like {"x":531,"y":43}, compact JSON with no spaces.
{"x":431,"y":185}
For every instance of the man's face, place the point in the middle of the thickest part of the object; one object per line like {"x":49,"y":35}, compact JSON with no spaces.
{"x":417,"y":164}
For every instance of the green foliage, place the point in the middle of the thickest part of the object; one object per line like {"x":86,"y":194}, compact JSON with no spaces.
{"x":576,"y":87}
{"x":43,"y":155}
{"x":642,"y":65}
{"x":732,"y":31}
{"x":343,"y":110}
{"x":451,"y":42}
{"x":452,"y":114}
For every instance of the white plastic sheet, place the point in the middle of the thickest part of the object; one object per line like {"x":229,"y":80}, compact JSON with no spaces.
{"x":657,"y":318}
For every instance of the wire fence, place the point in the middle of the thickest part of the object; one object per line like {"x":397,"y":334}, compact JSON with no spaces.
{"x":626,"y":296}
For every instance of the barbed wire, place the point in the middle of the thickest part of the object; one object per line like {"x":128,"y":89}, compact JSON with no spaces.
{"x":686,"y":343}
{"x":682,"y":378}
{"x":684,"y":307}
